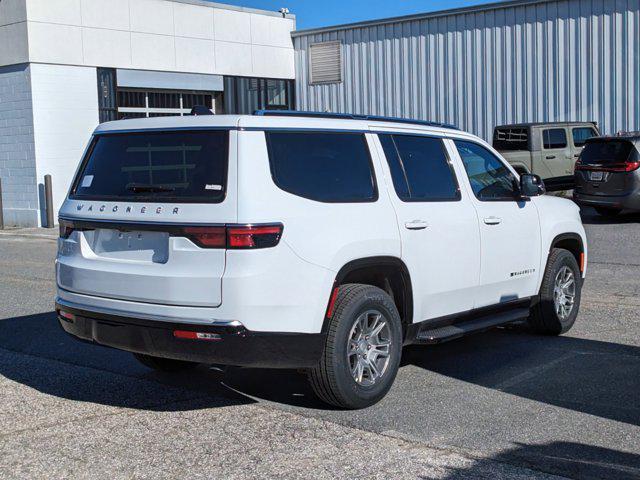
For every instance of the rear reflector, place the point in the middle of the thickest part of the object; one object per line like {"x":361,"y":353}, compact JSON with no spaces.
{"x":189,"y":335}
{"x":67,"y":315}
{"x":332,"y":301}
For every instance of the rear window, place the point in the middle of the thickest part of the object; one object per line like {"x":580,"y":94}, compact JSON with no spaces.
{"x":176,"y":166}
{"x":322,"y":166}
{"x":511,"y":139}
{"x":602,"y":152}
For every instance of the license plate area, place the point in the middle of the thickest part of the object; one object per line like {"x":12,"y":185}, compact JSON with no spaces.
{"x":138,"y":246}
{"x":596,"y":176}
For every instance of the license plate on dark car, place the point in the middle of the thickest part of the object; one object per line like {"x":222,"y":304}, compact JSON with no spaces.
{"x":596,"y":176}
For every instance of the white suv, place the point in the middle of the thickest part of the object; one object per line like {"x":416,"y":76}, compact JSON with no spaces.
{"x":301,"y":240}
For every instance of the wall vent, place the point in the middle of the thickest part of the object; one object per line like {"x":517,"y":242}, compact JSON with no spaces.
{"x":325,"y":63}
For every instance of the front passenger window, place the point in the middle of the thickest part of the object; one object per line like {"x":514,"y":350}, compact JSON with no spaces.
{"x":490,"y":179}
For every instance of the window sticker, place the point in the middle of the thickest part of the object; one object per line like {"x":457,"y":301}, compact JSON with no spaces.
{"x":213,"y":187}
{"x":87,"y":180}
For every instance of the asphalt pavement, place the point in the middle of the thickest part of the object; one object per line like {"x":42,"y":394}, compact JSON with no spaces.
{"x":504,"y":404}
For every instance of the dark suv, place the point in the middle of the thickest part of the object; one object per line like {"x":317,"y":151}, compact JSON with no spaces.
{"x":608,"y":175}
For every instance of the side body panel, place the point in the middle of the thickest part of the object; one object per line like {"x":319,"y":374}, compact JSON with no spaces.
{"x":444,"y":257}
{"x":510,"y":245}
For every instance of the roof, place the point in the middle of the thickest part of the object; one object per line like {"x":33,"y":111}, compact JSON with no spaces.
{"x":629,"y":136}
{"x":225,"y":6}
{"x":419,"y":16}
{"x":545,"y":124}
{"x":189,"y":122}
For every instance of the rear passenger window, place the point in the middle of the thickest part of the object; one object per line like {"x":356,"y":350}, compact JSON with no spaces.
{"x":420,"y":168}
{"x":322,"y":166}
{"x":554,"y":138}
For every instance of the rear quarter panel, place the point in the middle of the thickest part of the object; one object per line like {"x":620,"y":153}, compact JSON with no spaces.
{"x":323,"y":236}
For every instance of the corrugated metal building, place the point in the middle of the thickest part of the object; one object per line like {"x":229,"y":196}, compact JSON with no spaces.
{"x":477,"y":67}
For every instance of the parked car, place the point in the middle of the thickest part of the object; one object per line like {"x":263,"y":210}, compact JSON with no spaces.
{"x":311,"y":241}
{"x":546,"y":149}
{"x":607,"y":175}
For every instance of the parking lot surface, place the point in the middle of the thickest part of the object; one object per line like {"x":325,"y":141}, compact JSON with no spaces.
{"x":504,"y":404}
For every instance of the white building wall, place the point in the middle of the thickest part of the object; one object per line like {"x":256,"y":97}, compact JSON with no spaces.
{"x":163,"y":35}
{"x":65,"y":112}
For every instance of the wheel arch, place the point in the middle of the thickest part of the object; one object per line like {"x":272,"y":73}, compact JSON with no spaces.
{"x":386,"y":272}
{"x":573,"y":243}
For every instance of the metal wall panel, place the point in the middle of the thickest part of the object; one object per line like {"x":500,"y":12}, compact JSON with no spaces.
{"x":527,"y":62}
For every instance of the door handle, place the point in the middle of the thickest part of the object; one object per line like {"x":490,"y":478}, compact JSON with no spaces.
{"x":550,"y":157}
{"x":493,"y":221}
{"x":416,"y":225}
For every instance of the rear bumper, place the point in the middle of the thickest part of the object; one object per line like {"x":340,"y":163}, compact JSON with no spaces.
{"x":630,"y":201}
{"x":233,"y":344}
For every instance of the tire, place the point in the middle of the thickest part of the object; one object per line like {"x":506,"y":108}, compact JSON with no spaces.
{"x":546,"y":318}
{"x":608,"y":212}
{"x":347,"y":346}
{"x":167,"y":365}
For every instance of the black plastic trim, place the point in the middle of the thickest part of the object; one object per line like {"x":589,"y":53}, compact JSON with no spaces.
{"x":367,"y":262}
{"x":237,"y":345}
{"x":413,"y":330}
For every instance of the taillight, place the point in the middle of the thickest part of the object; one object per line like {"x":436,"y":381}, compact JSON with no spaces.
{"x":612,"y":167}
{"x":234,"y":236}
{"x":253,"y":236}
{"x":229,"y":236}
{"x":66,"y":228}
{"x":207,"y":237}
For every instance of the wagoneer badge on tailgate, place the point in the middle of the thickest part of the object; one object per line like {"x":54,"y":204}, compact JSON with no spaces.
{"x":128,"y":209}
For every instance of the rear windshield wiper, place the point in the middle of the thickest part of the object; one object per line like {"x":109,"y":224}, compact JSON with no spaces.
{"x":146,"y":188}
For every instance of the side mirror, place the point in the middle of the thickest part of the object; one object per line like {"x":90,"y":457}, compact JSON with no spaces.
{"x":531,"y":185}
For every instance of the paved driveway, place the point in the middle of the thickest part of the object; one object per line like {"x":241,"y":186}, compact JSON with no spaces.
{"x":488,"y":406}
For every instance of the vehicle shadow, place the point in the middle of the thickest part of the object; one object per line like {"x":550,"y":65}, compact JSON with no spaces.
{"x":591,"y":217}
{"x":594,"y":377}
{"x":598,"y":378}
{"x":575,"y":460}
{"x":588,"y":376}
{"x":53,"y":362}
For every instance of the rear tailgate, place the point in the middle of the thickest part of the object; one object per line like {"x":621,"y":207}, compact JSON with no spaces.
{"x":606,"y":167}
{"x":126,"y":226}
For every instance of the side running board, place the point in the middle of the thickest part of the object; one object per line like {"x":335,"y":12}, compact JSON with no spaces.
{"x":430,"y":335}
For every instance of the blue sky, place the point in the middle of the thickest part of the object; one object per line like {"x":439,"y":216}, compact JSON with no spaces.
{"x":323,"y":13}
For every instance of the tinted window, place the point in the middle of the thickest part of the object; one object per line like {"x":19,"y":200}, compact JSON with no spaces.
{"x":420,"y":168}
{"x":327,"y":167}
{"x":554,"y":138}
{"x":490,"y":179}
{"x":158,"y":166}
{"x":582,"y":134}
{"x":603,"y":152}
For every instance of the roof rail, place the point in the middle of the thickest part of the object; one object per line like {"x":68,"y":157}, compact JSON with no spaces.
{"x":349,"y":116}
